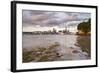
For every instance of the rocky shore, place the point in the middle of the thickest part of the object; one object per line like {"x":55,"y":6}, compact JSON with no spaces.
{"x":41,"y":54}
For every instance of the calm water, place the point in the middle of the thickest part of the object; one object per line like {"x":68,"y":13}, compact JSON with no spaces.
{"x":67,"y":45}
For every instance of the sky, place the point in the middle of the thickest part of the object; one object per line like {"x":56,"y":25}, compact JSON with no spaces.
{"x":33,"y":20}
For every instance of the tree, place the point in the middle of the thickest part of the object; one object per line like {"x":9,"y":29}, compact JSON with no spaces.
{"x":85,"y":26}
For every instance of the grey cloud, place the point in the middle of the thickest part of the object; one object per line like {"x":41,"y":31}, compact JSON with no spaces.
{"x":47,"y":18}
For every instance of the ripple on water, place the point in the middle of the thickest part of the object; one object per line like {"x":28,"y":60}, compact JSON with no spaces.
{"x":68,"y":47}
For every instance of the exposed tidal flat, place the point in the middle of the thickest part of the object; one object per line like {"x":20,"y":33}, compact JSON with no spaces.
{"x":40,"y":48}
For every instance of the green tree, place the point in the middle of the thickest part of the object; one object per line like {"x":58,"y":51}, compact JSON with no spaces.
{"x":85,"y":26}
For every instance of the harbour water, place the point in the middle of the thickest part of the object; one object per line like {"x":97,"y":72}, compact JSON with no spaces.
{"x":70,"y":47}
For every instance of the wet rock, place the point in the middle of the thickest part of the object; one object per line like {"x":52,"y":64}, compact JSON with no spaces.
{"x":58,"y":54}
{"x":86,"y":54}
{"x":76,"y":44}
{"x":75,"y":51}
{"x":71,"y":48}
{"x":38,"y":52}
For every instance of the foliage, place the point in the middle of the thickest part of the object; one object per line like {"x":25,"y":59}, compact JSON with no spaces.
{"x":85,"y":26}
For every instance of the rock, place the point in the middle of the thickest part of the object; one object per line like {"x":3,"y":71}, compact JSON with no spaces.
{"x":75,"y":51}
{"x":86,"y":54}
{"x":58,"y":54}
{"x":76,"y":44}
{"x":71,"y":48}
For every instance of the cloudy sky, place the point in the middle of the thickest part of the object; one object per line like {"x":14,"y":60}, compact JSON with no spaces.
{"x":33,"y":20}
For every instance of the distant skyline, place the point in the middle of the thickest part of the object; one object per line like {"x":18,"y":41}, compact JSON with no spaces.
{"x":33,"y":20}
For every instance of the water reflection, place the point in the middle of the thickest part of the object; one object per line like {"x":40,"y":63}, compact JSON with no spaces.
{"x":84,"y":42}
